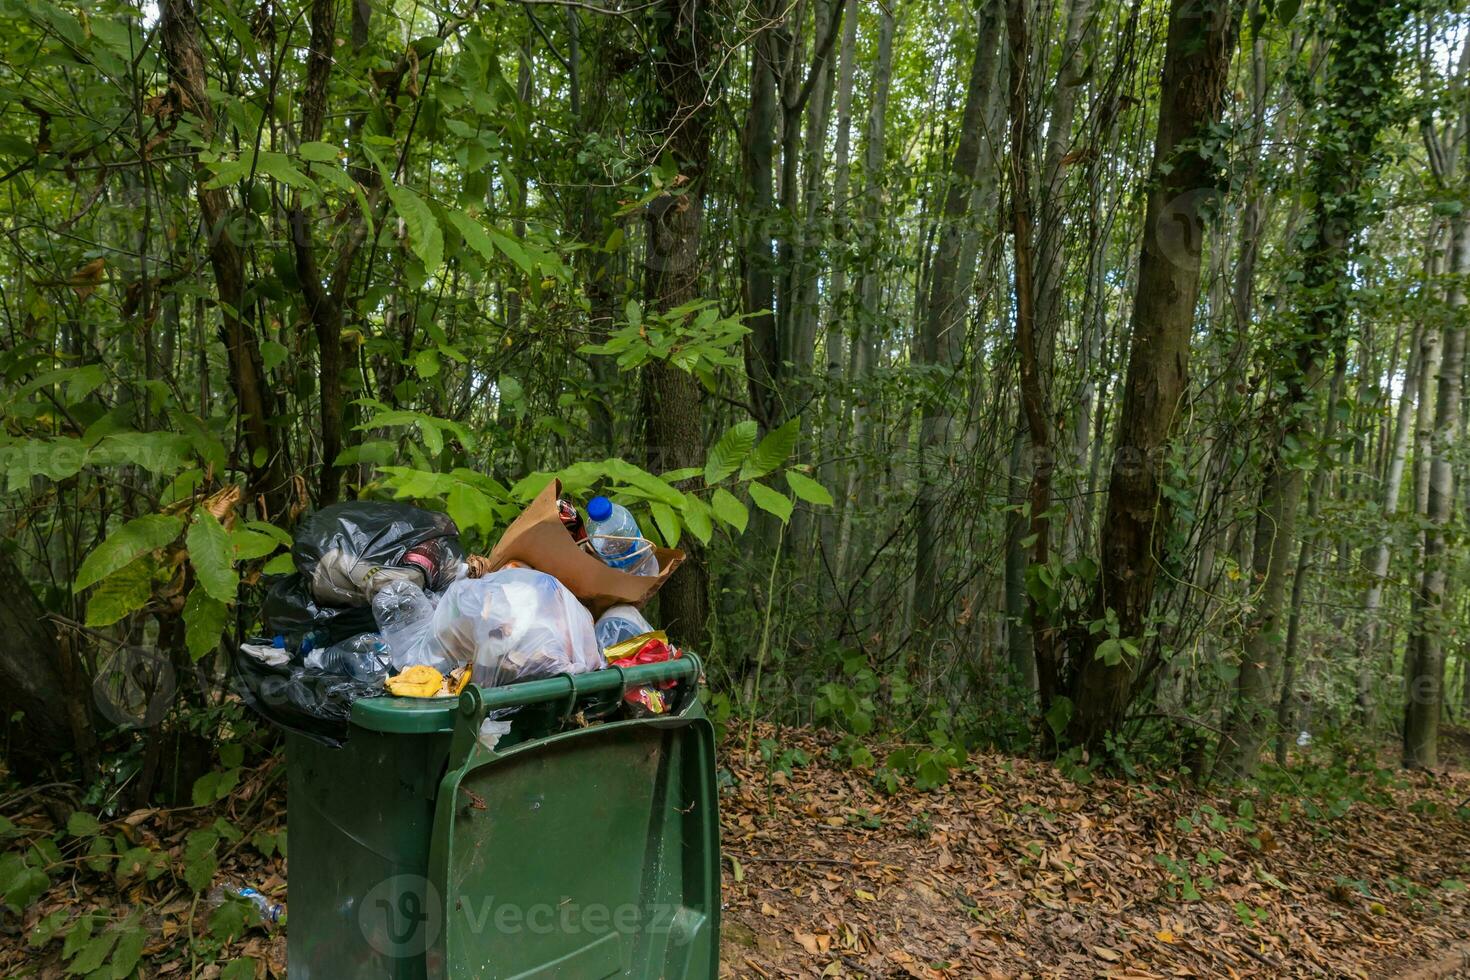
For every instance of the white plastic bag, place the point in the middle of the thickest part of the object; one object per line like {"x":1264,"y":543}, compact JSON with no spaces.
{"x":513,"y":625}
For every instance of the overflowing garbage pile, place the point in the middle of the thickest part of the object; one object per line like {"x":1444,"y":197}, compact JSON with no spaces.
{"x":385,"y":601}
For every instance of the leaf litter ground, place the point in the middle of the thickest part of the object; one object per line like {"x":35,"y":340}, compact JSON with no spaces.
{"x":1012,"y":869}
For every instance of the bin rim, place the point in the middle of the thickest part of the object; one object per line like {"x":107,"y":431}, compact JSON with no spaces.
{"x":436,"y":715}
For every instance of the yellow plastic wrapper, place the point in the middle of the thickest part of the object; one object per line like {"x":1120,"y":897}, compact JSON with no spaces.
{"x":416,"y":682}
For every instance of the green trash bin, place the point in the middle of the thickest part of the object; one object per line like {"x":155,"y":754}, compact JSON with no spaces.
{"x":570,"y":850}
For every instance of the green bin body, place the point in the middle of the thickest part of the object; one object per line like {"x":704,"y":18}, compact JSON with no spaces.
{"x":573,"y":852}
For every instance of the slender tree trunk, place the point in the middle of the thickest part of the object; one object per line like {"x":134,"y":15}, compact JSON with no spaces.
{"x":671,"y":397}
{"x":1424,"y":698}
{"x":1200,"y":44}
{"x":179,"y":40}
{"x":1361,"y":78}
{"x":942,"y":335}
{"x":869,"y":284}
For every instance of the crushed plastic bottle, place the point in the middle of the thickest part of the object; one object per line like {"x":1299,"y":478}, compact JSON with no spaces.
{"x":270,"y":912}
{"x":363,"y":658}
{"x":617,"y":538}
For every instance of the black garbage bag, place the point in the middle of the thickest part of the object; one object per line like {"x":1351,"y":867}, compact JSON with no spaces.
{"x":289,"y":611}
{"x":313,"y":703}
{"x":348,"y":551}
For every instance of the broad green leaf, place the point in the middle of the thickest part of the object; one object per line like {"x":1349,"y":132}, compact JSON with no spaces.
{"x":93,"y":953}
{"x":425,"y":236}
{"x":124,"y":591}
{"x":200,"y":862}
{"x":247,"y":544}
{"x":730,"y":451}
{"x":214,"y":786}
{"x":239,"y":969}
{"x":282,"y":564}
{"x":147,"y":533}
{"x":470,"y":508}
{"x":728,"y":508}
{"x":210,"y":553}
{"x":205,"y":618}
{"x":131,"y":940}
{"x":82,"y":824}
{"x":770,"y":501}
{"x":808,"y":489}
{"x":667,"y":522}
{"x":773,"y":451}
{"x":697,"y":518}
{"x":318,"y":152}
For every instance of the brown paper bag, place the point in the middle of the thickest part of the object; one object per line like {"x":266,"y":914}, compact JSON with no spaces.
{"x":539,"y":539}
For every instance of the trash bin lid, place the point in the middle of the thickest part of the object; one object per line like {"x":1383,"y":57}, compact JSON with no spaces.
{"x":592,"y":854}
{"x":406,"y":716}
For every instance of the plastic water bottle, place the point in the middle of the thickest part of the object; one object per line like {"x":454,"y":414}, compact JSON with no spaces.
{"x":363,"y":657}
{"x":620,"y":624}
{"x":270,"y":912}
{"x":618,"y":539}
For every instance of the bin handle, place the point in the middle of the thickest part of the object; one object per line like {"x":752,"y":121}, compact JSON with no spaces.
{"x":476,"y":702}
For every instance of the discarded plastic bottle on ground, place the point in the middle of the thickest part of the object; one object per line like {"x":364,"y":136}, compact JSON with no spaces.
{"x":363,"y":658}
{"x":270,"y":912}
{"x":618,"y":539}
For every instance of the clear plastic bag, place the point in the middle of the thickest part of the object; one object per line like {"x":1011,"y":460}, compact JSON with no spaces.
{"x":620,"y":623}
{"x":513,"y":625}
{"x":405,"y":616}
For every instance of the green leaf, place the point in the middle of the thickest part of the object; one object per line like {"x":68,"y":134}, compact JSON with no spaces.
{"x":45,"y":930}
{"x":210,"y":553}
{"x":470,"y":508}
{"x":425,"y":236}
{"x":146,"y":533}
{"x":20,"y":884}
{"x":667,"y":521}
{"x":214,"y":786}
{"x":770,"y":501}
{"x":93,"y":953}
{"x":808,"y":489}
{"x":318,"y":152}
{"x":247,"y":544}
{"x":239,"y":969}
{"x":728,"y":508}
{"x":282,"y":564}
{"x":124,"y":591}
{"x":82,"y":824}
{"x":1059,"y":715}
{"x":726,"y":455}
{"x":205,"y":618}
{"x":773,"y":451}
{"x":200,"y":862}
{"x":698,"y":518}
{"x":133,"y":937}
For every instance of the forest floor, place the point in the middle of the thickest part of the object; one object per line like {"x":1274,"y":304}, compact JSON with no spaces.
{"x":1012,"y":869}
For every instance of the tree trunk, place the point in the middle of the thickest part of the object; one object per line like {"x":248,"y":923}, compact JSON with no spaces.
{"x":671,"y":397}
{"x":1201,"y":42}
{"x":1360,"y":83}
{"x":179,"y":38}
{"x":1424,"y":697}
{"x":41,"y":683}
{"x":942,"y":332}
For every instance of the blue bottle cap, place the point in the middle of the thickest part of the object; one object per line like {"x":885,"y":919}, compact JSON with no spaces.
{"x":599,"y":508}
